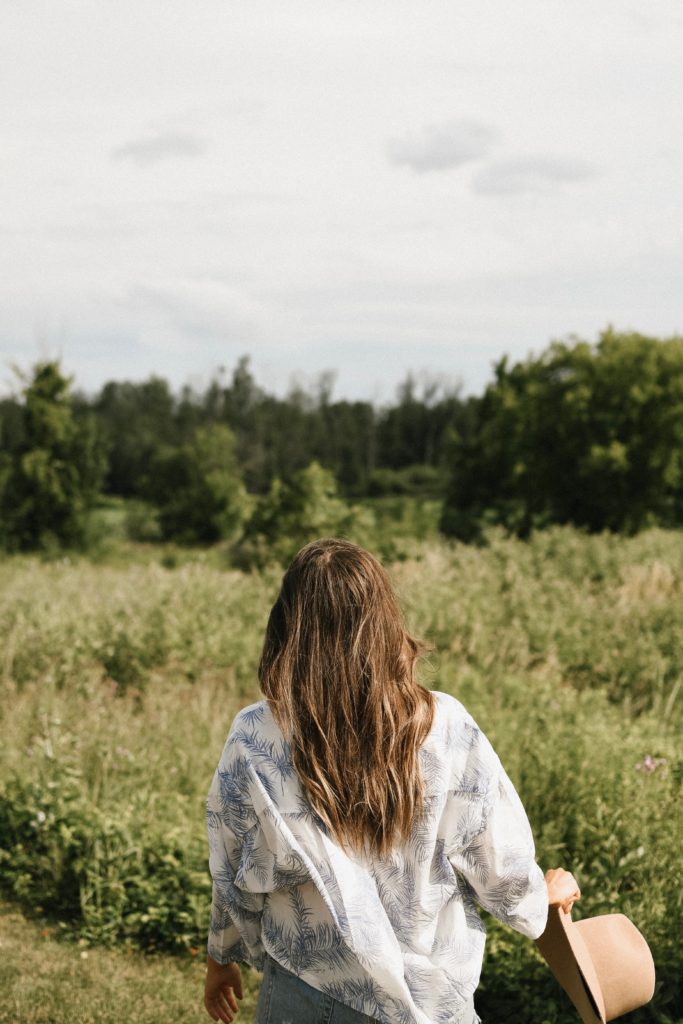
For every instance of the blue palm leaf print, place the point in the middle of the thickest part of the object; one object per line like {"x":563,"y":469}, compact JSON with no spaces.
{"x":271,"y":761}
{"x":365,"y":994}
{"x":501,"y":899}
{"x":223,"y":955}
{"x":300,"y":944}
{"x":399,"y":897}
{"x":434,"y":769}
{"x":466,"y":829}
{"x":473,"y":782}
{"x":440,"y":870}
{"x":253,"y":714}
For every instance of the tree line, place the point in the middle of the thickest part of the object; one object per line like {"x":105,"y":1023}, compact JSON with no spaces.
{"x":275,"y":437}
{"x":590,"y":434}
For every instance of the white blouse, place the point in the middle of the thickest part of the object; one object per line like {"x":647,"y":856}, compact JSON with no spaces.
{"x":398,"y":938}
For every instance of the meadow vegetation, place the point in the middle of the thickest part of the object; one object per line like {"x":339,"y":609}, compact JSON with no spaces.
{"x":119,"y":682}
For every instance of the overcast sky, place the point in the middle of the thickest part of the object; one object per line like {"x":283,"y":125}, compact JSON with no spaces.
{"x":370,"y":186}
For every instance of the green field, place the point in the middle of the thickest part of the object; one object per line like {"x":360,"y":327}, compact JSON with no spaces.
{"x":118,"y":685}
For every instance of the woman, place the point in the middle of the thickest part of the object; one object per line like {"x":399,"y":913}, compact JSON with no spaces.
{"x":356,"y":818}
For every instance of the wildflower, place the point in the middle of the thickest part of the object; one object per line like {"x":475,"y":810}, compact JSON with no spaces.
{"x":650,"y":764}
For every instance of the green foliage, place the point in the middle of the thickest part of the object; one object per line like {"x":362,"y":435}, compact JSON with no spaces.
{"x":293,"y":513}
{"x":198,"y":487}
{"x":141,"y":522}
{"x":590,"y":435}
{"x":63,"y":852}
{"x":136,"y":419}
{"x":420,"y":479}
{"x":565,"y":648}
{"x":51,"y":473}
{"x":275,"y":436}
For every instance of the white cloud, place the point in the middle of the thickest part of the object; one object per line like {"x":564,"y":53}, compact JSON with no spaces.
{"x":439,"y":147}
{"x":535,"y":174}
{"x":162,"y":146}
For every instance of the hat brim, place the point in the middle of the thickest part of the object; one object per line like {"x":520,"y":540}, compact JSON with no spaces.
{"x":567,"y":955}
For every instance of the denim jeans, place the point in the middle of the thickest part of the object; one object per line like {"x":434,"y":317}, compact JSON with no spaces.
{"x":286,"y":999}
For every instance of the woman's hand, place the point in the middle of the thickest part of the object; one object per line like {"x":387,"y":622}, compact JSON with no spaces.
{"x":223,"y":984}
{"x":563,"y":890}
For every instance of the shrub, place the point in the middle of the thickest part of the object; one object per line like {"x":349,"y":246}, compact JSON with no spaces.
{"x":298,"y":511}
{"x":103,"y":871}
{"x":198,"y":487}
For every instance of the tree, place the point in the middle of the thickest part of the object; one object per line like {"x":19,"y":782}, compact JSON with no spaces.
{"x":136,"y":419}
{"x":298,"y":511}
{"x":198,"y":487}
{"x":587,"y":434}
{"x":51,"y":466}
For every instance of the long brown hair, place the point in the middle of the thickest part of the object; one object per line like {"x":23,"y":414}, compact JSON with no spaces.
{"x":338,"y":669}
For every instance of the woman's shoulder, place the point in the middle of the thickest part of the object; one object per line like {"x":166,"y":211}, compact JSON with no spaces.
{"x":456,"y":732}
{"x":448,"y":708}
{"x":256,"y":720}
{"x":253,"y":715}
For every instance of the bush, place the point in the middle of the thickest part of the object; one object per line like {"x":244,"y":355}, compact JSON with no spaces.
{"x":421,"y":479}
{"x":198,"y":487}
{"x":296,"y":512}
{"x":101,"y":871}
{"x":141,"y":522}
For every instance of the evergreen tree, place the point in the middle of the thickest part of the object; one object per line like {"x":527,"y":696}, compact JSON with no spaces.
{"x":51,"y":467}
{"x":137,"y":419}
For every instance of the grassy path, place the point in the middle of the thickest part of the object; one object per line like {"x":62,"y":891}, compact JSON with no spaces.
{"x":46,"y":981}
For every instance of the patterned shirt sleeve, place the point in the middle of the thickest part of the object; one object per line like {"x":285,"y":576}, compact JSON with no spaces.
{"x":235,"y":927}
{"x":499,"y":860}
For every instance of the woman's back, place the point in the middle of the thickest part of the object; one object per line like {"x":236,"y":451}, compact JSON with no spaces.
{"x":394,"y":935}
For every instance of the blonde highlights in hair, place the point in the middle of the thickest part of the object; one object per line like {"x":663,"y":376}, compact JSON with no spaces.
{"x":338,"y":670}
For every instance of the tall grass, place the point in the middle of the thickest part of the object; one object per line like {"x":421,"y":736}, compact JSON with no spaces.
{"x":119,"y":686}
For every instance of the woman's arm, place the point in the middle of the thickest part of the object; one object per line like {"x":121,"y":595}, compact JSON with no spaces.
{"x":235,"y":926}
{"x":498,"y":858}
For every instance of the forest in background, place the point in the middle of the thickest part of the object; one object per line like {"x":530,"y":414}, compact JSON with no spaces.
{"x":583,"y":434}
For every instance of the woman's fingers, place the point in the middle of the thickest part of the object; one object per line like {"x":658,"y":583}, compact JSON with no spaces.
{"x":234,"y":979}
{"x":226,"y":1006}
{"x":570,"y":890}
{"x":222,"y":988}
{"x":570,"y":901}
{"x":221,"y":1006}
{"x":230,"y":997}
{"x":216,"y":1012}
{"x":563,"y":889}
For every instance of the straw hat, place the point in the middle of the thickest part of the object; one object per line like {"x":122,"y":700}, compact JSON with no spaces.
{"x":603,"y":963}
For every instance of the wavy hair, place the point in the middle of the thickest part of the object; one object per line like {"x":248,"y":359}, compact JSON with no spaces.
{"x":338,"y":668}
